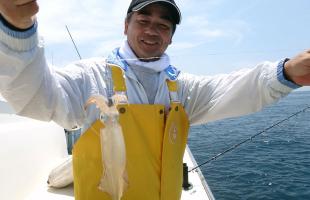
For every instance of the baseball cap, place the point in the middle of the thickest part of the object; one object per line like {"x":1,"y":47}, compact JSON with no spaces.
{"x":137,"y":5}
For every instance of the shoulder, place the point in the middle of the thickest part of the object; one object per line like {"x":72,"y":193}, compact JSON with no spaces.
{"x":93,"y":64}
{"x":188,"y":79}
{"x":81,"y":69}
{"x":96,"y":62}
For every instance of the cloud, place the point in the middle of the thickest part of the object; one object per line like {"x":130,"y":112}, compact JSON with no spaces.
{"x":206,"y":30}
{"x":89,"y":20}
{"x":95,"y":25}
{"x":104,"y":48}
{"x":183,"y":45}
{"x":95,"y":19}
{"x":200,"y":28}
{"x":98,"y":24}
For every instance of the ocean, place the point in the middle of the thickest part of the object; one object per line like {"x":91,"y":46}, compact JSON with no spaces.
{"x":274,"y":165}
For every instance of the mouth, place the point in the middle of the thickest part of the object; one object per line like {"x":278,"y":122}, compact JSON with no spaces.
{"x":149,"y":42}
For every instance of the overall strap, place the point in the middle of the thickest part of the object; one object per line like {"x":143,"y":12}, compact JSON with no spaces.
{"x":117,"y":73}
{"x":173,"y":91}
{"x":116,"y":85}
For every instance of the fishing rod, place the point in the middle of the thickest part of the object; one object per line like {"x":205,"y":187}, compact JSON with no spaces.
{"x":76,"y":49}
{"x":248,"y":139}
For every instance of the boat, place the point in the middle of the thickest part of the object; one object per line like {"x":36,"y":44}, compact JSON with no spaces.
{"x":30,"y":149}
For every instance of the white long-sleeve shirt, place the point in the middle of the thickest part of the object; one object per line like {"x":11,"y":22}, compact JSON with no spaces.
{"x":39,"y":91}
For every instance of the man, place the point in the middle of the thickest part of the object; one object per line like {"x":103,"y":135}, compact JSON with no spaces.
{"x":154,"y":122}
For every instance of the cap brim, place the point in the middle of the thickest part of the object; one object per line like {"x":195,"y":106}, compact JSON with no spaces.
{"x":146,"y":3}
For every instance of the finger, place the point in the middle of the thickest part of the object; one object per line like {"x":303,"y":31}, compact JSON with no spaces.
{"x":23,"y":2}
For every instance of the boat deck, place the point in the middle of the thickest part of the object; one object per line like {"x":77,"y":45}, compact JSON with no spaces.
{"x":199,"y":191}
{"x":24,"y":148}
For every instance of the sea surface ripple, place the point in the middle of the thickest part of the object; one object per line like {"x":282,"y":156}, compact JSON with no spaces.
{"x":274,"y":165}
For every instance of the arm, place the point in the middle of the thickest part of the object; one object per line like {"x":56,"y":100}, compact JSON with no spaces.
{"x":229,"y":95}
{"x":31,"y":87}
{"x":38,"y":91}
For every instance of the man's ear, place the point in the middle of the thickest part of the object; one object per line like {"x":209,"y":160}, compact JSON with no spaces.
{"x":126,"y":27}
{"x":171,"y":39}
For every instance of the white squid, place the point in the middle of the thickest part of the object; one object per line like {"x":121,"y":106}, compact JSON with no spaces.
{"x":114,"y":180}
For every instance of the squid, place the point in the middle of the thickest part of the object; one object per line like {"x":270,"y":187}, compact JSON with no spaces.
{"x":114,"y":180}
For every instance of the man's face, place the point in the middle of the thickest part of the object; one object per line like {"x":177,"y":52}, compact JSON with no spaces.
{"x":149,"y":31}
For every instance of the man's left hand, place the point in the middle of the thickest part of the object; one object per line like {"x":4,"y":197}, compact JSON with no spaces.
{"x":298,"y":69}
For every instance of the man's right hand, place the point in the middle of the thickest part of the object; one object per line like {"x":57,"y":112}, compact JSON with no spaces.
{"x":19,"y":13}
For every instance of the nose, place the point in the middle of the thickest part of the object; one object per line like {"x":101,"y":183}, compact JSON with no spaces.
{"x":152,"y":30}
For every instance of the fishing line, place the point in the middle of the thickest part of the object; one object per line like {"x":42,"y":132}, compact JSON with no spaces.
{"x":249,"y":139}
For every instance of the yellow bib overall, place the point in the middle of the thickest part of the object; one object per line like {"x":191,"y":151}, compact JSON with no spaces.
{"x":155,"y":145}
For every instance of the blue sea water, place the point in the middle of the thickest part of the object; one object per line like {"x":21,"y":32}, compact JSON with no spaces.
{"x":274,"y":165}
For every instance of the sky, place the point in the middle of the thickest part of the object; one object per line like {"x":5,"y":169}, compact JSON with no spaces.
{"x":215,"y":36}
